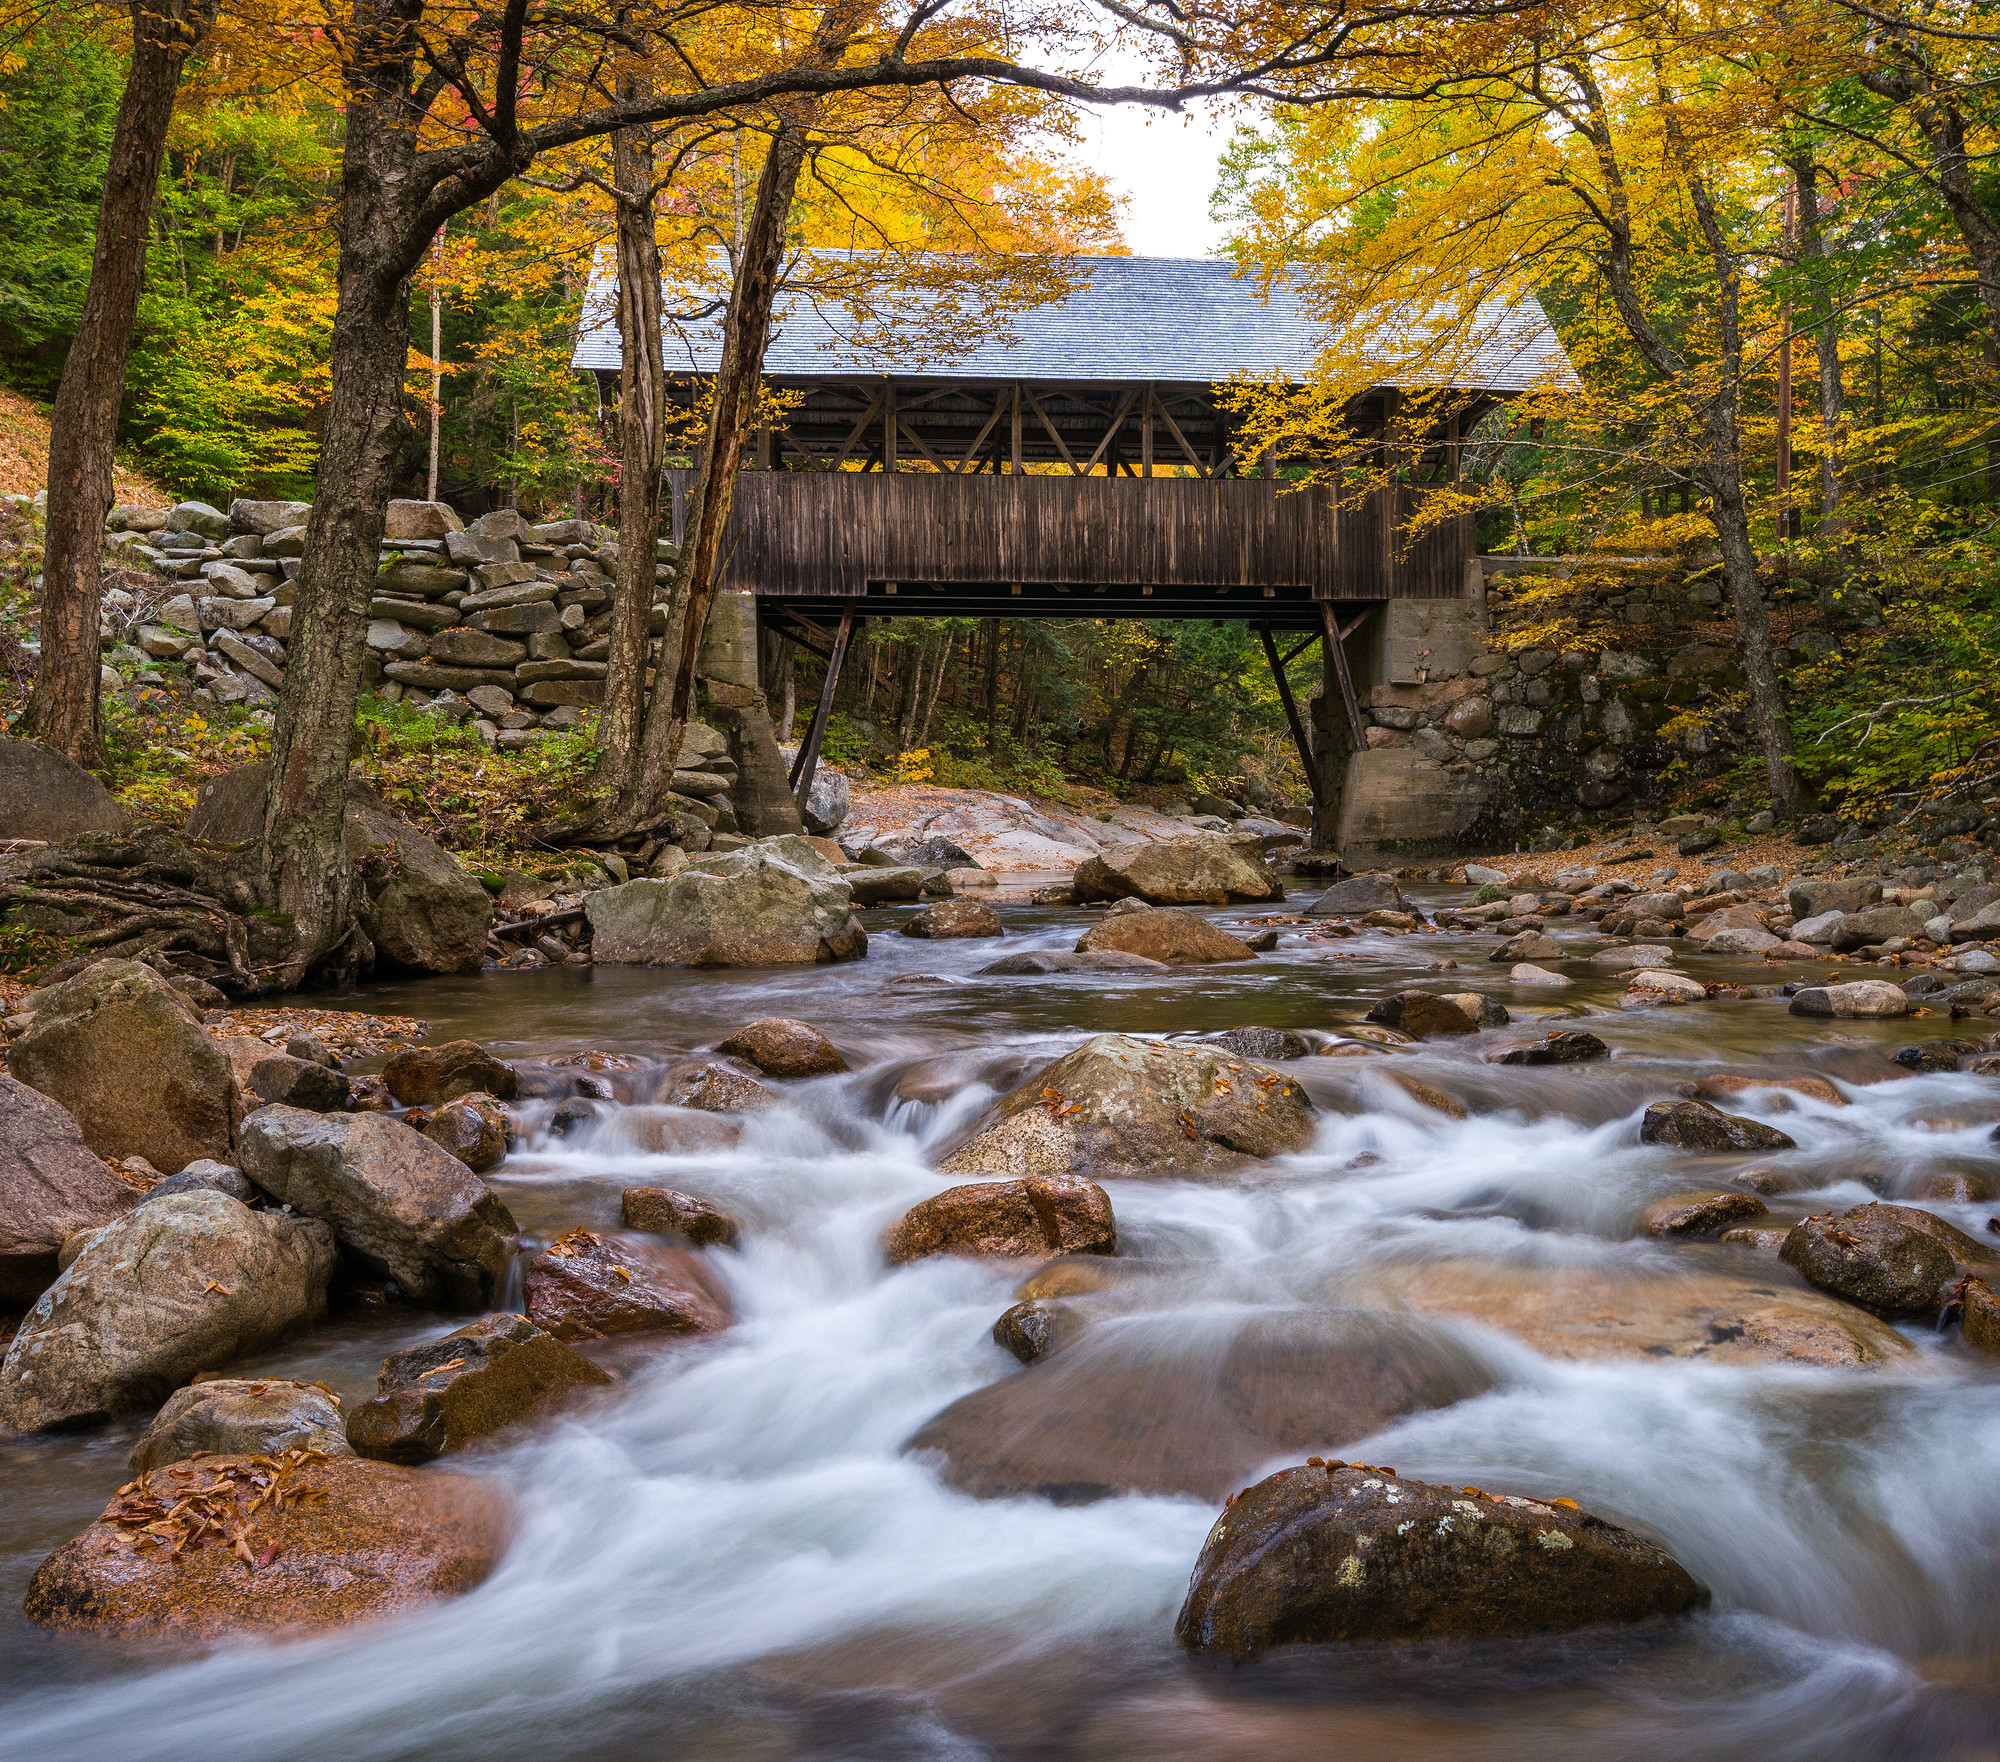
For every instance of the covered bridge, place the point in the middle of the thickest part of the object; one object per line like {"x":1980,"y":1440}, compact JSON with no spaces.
{"x":1084,"y":466}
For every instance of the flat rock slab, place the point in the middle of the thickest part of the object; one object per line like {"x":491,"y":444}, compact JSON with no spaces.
{"x":1175,"y":937}
{"x":589,"y":1287}
{"x":344,"y":1540}
{"x":1177,"y":1404}
{"x":1333,"y":1552}
{"x":1038,"y":963}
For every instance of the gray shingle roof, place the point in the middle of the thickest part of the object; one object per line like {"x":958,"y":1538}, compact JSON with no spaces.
{"x":1131,"y":318}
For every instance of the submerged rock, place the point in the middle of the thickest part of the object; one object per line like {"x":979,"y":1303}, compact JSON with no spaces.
{"x":1339,"y":1552}
{"x":1724,"y":1085}
{"x":1424,"y":1016}
{"x":398,"y":1202}
{"x":1176,"y":1404}
{"x":1060,"y":1214}
{"x":1036,"y":962}
{"x":779,"y":1046}
{"x":1264,"y":1043}
{"x":441,"y":1395}
{"x":1120,"y":1106}
{"x":1892,"y":1258}
{"x":329,"y":1541}
{"x":1175,"y":937}
{"x":662,"y":1211}
{"x":1207,"y":868}
{"x":186,"y":1284}
{"x":51,"y":1186}
{"x":124,"y":1052}
{"x":238,"y":1416}
{"x":1035,"y":1327}
{"x":1563,"y":1046}
{"x":1694,"y":1125}
{"x":589,"y":1287}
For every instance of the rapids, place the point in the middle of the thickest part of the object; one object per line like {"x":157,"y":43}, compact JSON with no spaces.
{"x":736,"y":1559}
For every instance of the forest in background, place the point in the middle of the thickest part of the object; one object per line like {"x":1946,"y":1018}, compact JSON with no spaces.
{"x":1882,"y":280}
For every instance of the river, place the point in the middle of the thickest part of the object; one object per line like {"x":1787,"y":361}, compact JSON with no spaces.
{"x":735,"y":1559}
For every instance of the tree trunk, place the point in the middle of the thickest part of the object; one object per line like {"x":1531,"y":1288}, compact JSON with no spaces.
{"x":990,"y":692}
{"x":1826,"y":344}
{"x":733,"y":409}
{"x":939,"y":668}
{"x":788,"y":673}
{"x":83,"y":428}
{"x":641,"y":413}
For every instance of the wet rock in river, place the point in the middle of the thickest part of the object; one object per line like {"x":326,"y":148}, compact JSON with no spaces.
{"x":1037,"y":962}
{"x":1078,"y":1275}
{"x":187,"y":1284}
{"x":589,"y":1287}
{"x":1892,"y":1258}
{"x":51,"y":1186}
{"x":474,"y":1128}
{"x":1434,"y":1099}
{"x":1563,"y":1046}
{"x":1359,"y":894}
{"x":1979,"y":1311}
{"x":1694,"y":1125}
{"x":399,"y":1203}
{"x":1176,"y":1404}
{"x":779,"y":1046}
{"x":1629,"y":960}
{"x":1032,"y":1329}
{"x":422,"y":1076}
{"x":1350,"y":1553}
{"x":330,"y":1541}
{"x":242,"y":1416}
{"x":662,"y":1212}
{"x":715,"y":1088}
{"x":1175,"y":937}
{"x":1121,"y":1106}
{"x":443,"y":1394}
{"x":1265,"y":1043}
{"x":1526,"y":974}
{"x":1205,"y":868}
{"x":1698,"y":1214}
{"x":1655,"y":985}
{"x":1530,"y":945}
{"x":204,"y":1176}
{"x":125,"y":1053}
{"x":1486,"y":1012}
{"x":1060,"y":1214}
{"x":1724,"y":1085}
{"x":1423,"y":1016}
{"x":954,"y":919}
{"x":1864,"y":999}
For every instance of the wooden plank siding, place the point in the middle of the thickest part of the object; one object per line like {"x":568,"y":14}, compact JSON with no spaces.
{"x":826,"y":535}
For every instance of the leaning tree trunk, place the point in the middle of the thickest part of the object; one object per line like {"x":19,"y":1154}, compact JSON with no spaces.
{"x":738,"y":374}
{"x":83,"y":429}
{"x":1826,"y":344}
{"x":641,"y":411}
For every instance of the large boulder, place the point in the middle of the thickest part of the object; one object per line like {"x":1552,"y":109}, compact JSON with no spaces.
{"x":124,"y":1051}
{"x":1879,"y":923}
{"x":51,"y":1187}
{"x":589,"y":1287}
{"x":1178,"y":938}
{"x":1893,"y":1258}
{"x":441,"y":1395}
{"x":1120,"y":1106}
{"x":1208,"y":868}
{"x":397,"y":1202}
{"x":1694,"y":1125}
{"x":182,"y":1285}
{"x":1358,"y":895}
{"x":261,"y":1545}
{"x":1061,"y":1214}
{"x":775,"y":904}
{"x":242,"y":1416}
{"x":955,"y":918}
{"x":1182,"y":1403}
{"x":47,"y":796}
{"x":781,"y":1046}
{"x":420,"y":909}
{"x":1332,"y":1552}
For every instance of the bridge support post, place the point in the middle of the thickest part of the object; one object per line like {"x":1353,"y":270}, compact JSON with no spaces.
{"x":1336,"y":652}
{"x":808,"y":760}
{"x":1300,"y":738}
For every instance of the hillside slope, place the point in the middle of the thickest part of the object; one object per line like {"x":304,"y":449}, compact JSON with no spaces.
{"x":24,"y":456}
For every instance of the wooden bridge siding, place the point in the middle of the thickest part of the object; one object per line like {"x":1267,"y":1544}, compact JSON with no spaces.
{"x":815,"y":534}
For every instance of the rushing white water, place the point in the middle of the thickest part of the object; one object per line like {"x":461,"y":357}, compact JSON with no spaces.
{"x":736,"y":1557}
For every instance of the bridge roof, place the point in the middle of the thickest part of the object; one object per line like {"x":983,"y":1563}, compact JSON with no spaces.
{"x":1126,"y":319}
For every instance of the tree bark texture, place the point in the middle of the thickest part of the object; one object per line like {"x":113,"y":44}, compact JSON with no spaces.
{"x":83,"y":429}
{"x":1826,"y":344}
{"x":641,"y":414}
{"x":738,"y":376}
